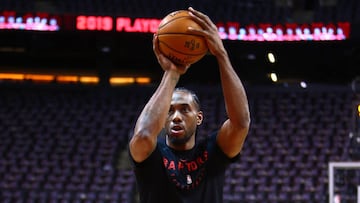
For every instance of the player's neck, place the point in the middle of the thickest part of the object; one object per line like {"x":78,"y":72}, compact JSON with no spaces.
{"x":181,"y":147}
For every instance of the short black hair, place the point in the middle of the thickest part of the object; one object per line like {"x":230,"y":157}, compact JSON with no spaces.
{"x":192,"y":93}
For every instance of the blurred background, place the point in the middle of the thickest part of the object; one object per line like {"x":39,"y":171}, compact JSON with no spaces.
{"x":74,"y":76}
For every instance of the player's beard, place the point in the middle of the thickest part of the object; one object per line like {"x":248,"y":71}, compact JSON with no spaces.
{"x":179,"y":140}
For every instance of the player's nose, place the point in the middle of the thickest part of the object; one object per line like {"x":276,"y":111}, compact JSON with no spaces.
{"x":176,"y":116}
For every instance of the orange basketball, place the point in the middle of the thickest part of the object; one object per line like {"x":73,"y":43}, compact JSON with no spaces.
{"x":176,"y":43}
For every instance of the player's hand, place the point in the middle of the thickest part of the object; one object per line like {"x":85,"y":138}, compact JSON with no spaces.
{"x":209,"y":32}
{"x":165,"y":63}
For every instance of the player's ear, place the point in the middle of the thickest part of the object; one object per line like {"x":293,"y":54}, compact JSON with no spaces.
{"x":200,"y":118}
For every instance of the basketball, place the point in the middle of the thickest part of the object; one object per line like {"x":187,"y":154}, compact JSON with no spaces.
{"x":176,"y":43}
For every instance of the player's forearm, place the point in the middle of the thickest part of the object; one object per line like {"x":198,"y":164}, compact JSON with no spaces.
{"x":234,"y":93}
{"x":153,"y":116}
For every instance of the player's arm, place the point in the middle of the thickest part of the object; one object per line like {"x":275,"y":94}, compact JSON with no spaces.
{"x":234,"y":130}
{"x":153,"y":116}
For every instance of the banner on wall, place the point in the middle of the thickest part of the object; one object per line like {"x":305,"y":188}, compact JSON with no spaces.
{"x":316,"y":31}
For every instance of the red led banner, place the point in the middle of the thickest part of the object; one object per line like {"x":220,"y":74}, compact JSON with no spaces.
{"x":229,"y":30}
{"x":122,"y":24}
{"x":101,"y":23}
{"x":139,"y":25}
{"x":316,"y":31}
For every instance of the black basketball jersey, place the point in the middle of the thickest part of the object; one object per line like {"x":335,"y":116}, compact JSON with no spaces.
{"x":195,"y":175}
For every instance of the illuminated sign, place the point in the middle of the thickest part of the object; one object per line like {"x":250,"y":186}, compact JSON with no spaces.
{"x":38,"y":21}
{"x":101,"y":23}
{"x":227,"y":31}
{"x":122,"y":24}
{"x":139,"y":25}
{"x":286,"y":32}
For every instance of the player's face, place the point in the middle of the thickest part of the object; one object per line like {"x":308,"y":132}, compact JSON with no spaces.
{"x":182,"y":119}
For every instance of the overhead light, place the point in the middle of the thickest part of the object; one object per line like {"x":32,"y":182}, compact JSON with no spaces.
{"x":303,"y":84}
{"x":271,"y":57}
{"x":273,"y":77}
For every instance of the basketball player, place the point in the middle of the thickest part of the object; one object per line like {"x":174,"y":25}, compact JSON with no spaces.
{"x":178,"y":168}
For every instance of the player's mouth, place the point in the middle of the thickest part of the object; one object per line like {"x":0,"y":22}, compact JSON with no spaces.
{"x":177,"y":130}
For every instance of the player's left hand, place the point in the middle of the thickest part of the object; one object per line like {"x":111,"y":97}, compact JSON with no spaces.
{"x":209,"y":32}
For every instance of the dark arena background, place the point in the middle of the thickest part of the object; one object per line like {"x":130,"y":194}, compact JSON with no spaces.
{"x":75,"y":74}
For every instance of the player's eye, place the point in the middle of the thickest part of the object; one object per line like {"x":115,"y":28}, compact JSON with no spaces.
{"x":185,"y":109}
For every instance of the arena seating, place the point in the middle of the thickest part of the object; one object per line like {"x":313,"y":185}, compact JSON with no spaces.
{"x":63,"y":145}
{"x":66,"y":143}
{"x":294,"y":134}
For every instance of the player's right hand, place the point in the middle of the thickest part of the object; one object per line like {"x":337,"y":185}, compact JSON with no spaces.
{"x":165,"y":63}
